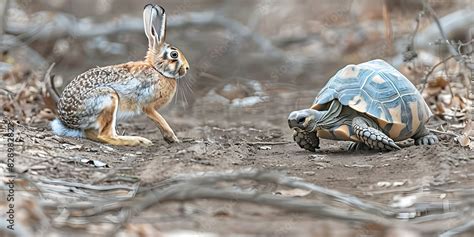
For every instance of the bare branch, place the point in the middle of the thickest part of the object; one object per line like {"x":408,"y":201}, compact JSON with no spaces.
{"x":410,"y":52}
{"x":260,"y":176}
{"x":187,"y":192}
{"x":425,"y":78}
{"x":459,"y":21}
{"x":47,"y":26}
{"x":87,"y":186}
{"x":433,"y":15}
{"x":186,"y":187}
{"x":3,"y":15}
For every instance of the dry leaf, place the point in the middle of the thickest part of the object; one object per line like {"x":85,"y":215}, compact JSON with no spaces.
{"x":435,"y":86}
{"x":457,"y":102}
{"x":463,"y":140}
{"x":440,"y":109}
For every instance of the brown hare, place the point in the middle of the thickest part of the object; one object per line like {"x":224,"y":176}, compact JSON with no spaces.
{"x":93,"y":102}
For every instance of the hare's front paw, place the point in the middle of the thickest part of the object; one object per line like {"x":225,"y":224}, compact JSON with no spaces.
{"x":171,"y":138}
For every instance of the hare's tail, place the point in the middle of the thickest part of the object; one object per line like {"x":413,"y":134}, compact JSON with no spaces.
{"x":60,"y":129}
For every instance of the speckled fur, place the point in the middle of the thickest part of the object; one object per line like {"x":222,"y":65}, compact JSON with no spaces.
{"x":93,"y":102}
{"x":136,"y":89}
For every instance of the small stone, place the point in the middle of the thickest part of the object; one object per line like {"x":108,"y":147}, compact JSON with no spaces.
{"x":383,"y":184}
{"x":265,"y":148}
{"x":40,"y":136}
{"x":399,"y":183}
{"x":309,"y":173}
{"x":181,"y":152}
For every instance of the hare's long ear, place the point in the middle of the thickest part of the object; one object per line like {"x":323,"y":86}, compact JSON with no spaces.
{"x":154,"y":19}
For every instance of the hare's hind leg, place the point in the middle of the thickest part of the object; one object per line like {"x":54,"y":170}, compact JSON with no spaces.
{"x":105,"y":104}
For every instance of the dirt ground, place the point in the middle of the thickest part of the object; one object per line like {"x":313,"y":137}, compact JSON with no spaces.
{"x":216,"y":138}
{"x":431,"y":187}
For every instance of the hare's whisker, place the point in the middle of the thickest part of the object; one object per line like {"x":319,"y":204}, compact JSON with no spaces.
{"x":184,"y":97}
{"x":187,"y":83}
{"x":184,"y":90}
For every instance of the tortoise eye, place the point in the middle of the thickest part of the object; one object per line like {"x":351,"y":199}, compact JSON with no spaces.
{"x":174,"y":54}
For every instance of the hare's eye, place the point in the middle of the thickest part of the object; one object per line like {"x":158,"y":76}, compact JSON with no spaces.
{"x":174,"y":54}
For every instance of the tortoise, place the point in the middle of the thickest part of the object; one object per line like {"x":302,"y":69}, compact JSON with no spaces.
{"x":371,"y":104}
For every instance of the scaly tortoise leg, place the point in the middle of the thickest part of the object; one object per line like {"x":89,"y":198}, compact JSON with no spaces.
{"x":306,"y":140}
{"x":371,"y":136}
{"x":425,"y":137}
{"x":358,"y":146}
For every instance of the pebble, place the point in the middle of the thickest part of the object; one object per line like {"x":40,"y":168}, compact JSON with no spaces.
{"x":322,"y":158}
{"x":181,"y":152}
{"x":309,"y":173}
{"x":40,"y":136}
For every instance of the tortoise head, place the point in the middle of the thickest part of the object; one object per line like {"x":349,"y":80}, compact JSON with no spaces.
{"x":310,"y":120}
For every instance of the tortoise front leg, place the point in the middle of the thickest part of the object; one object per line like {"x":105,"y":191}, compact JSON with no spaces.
{"x":306,"y":140}
{"x":371,"y":136}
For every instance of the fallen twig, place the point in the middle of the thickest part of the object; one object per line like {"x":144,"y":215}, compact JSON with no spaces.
{"x":186,"y":192}
{"x":453,"y":134}
{"x":271,"y":177}
{"x":87,"y":186}
{"x":266,"y":143}
{"x":396,"y":190}
{"x":445,"y":133}
{"x":425,"y":78}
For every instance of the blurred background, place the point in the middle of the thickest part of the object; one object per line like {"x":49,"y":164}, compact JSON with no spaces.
{"x":241,"y":52}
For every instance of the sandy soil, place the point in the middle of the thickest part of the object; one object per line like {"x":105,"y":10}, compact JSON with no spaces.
{"x":216,"y":138}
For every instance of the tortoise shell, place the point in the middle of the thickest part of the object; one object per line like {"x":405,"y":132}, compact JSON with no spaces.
{"x":378,"y":90}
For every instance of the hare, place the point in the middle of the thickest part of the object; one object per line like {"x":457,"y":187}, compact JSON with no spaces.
{"x":93,"y":102}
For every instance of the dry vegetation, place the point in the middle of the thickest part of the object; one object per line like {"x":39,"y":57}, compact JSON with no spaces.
{"x":237,"y":171}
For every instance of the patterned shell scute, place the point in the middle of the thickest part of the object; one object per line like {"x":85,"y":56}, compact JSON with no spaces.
{"x":379,"y":90}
